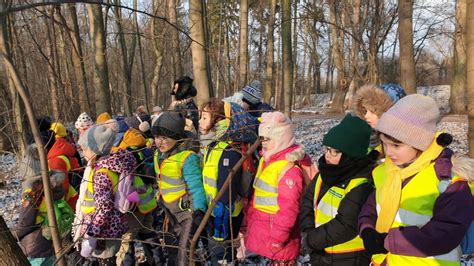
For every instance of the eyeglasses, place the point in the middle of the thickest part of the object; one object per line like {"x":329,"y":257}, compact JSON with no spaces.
{"x":333,"y":152}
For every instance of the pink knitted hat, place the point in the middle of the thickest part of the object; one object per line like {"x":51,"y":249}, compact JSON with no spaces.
{"x":278,"y":128}
{"x":412,"y":120}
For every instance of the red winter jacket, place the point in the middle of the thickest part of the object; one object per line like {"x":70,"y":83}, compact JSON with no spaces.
{"x":63,"y":147}
{"x":277,"y":236}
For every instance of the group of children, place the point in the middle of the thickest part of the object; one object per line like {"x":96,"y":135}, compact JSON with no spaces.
{"x":386,"y":190}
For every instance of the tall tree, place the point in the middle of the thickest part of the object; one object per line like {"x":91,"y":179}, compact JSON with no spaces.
{"x":407,"y":58}
{"x":78,"y":60}
{"x":101,"y":72}
{"x":458,"y":84}
{"x":127,"y":59}
{"x":269,"y":69}
{"x":52,"y":74}
{"x":337,"y":40}
{"x":243,"y":42}
{"x":198,"y":50}
{"x":158,"y":49}
{"x":287,"y":57}
{"x":470,"y":72}
{"x":176,"y":54}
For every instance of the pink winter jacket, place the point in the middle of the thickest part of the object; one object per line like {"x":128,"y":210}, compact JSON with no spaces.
{"x":277,"y":236}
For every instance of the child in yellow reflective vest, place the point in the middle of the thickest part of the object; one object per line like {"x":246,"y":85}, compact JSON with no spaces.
{"x":180,"y":183}
{"x":333,"y":200}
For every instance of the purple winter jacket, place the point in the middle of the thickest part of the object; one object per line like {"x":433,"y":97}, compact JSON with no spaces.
{"x":452,"y":214}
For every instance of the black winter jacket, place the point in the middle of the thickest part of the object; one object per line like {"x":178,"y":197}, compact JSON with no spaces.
{"x":340,"y":229}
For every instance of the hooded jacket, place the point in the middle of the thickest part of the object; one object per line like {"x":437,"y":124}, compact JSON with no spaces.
{"x":371,"y":97}
{"x":63,"y":148}
{"x":29,"y":233}
{"x":106,"y":221}
{"x":453,"y":212}
{"x":277,"y":236}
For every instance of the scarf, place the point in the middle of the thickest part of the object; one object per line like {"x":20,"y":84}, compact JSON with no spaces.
{"x":391,"y":190}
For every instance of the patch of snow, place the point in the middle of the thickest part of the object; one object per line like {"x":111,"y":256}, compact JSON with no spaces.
{"x":440,"y":93}
{"x":10,"y":193}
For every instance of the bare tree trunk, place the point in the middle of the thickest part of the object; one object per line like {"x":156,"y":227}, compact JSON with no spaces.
{"x":52,"y":77}
{"x":295,"y":53}
{"x":287,"y":56}
{"x":243,"y":42}
{"x":458,"y":86}
{"x":176,"y":54}
{"x":78,"y":61}
{"x":354,"y":52}
{"x":267,"y":89}
{"x":10,"y":252}
{"x":337,"y":105}
{"x":158,"y":49}
{"x":405,"y":34}
{"x":198,"y":46}
{"x":101,"y":75}
{"x":140,"y":50}
{"x":470,"y":72}
{"x":126,"y":61}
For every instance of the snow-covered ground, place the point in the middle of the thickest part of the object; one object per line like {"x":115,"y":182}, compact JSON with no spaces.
{"x":10,"y":191}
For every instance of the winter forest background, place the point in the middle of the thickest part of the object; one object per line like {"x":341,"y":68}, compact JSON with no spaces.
{"x":68,"y":57}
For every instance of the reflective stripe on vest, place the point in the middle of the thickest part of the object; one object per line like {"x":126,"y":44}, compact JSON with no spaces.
{"x":88,"y":204}
{"x":210,"y":174}
{"x":416,"y":209}
{"x":71,"y":192}
{"x":146,"y":194}
{"x":326,"y":210}
{"x":266,"y":186}
{"x":170,"y":175}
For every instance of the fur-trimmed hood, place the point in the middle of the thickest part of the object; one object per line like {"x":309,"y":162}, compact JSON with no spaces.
{"x":463,"y":167}
{"x":372,"y":98}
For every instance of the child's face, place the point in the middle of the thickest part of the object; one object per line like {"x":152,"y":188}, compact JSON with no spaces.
{"x":164,"y":144}
{"x":332,"y":156}
{"x":205,"y":122}
{"x":371,"y":118}
{"x":399,"y":153}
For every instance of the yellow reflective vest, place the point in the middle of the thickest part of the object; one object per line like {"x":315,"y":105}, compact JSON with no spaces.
{"x":146,"y":194}
{"x":88,"y":204}
{"x":326,"y":210}
{"x":170,"y":176}
{"x":416,"y":209}
{"x":210,"y":174}
{"x":266,"y":186}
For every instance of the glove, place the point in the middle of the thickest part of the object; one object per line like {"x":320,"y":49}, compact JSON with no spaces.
{"x":88,"y":245}
{"x":374,"y":241}
{"x":221,"y":221}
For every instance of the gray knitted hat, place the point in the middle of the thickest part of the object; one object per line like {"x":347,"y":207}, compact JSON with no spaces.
{"x":412,"y":120}
{"x":169,"y":124}
{"x":98,"y":139}
{"x":253,"y":92}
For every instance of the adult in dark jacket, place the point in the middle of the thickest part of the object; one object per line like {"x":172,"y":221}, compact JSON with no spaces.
{"x":182,"y":96}
{"x":28,"y":230}
{"x":329,"y":229}
{"x":252,"y":99}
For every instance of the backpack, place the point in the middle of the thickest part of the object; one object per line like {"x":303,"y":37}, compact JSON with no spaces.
{"x":64,"y":219}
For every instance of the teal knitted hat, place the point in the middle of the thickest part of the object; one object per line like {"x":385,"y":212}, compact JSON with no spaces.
{"x":351,"y":137}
